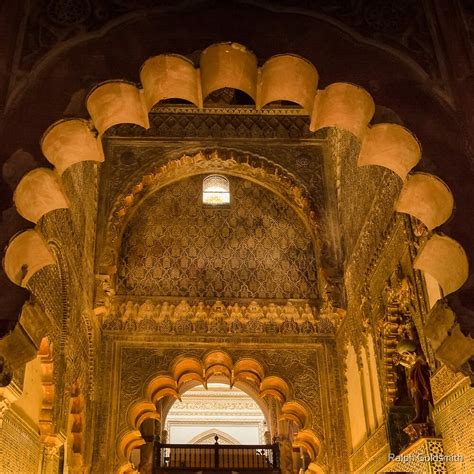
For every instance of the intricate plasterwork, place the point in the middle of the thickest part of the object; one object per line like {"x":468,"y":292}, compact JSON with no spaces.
{"x":370,"y":449}
{"x":256,"y":247}
{"x":182,"y":122}
{"x":202,"y":318}
{"x":444,"y":381}
{"x":426,"y":455}
{"x":271,"y":176}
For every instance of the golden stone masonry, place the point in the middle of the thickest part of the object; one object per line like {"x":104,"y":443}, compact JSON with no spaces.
{"x":248,"y":256}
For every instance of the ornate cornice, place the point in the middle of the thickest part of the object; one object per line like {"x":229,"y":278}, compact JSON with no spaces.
{"x":199,"y":317}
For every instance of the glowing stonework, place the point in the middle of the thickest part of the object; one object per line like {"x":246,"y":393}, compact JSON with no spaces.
{"x":297,"y":291}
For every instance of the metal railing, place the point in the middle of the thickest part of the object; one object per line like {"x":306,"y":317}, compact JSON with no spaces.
{"x":189,"y":457}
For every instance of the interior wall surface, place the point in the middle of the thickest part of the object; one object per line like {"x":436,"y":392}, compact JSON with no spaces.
{"x":105,"y":372}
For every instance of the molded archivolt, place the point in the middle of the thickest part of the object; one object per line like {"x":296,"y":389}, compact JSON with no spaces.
{"x":71,"y":141}
{"x":214,"y":364}
{"x":307,"y":440}
{"x":344,"y":106}
{"x":141,"y":411}
{"x":228,"y":65}
{"x":391,"y":146}
{"x":427,"y":198}
{"x":288,"y":77}
{"x":296,"y":412}
{"x":188,"y":370}
{"x":248,"y":371}
{"x":114,"y":102}
{"x":170,"y":76}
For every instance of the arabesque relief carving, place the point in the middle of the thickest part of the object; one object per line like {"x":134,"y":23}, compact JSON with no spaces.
{"x":202,"y":318}
{"x":257,"y":247}
{"x":270,"y":175}
{"x":394,"y":323}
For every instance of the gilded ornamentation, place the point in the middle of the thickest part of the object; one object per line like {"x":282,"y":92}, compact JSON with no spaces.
{"x":218,"y":318}
{"x":370,"y":449}
{"x":247,"y":166}
{"x":443,"y":382}
{"x":258,"y":248}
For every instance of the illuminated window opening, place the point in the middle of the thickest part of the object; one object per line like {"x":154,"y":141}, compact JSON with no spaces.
{"x":215,"y":190}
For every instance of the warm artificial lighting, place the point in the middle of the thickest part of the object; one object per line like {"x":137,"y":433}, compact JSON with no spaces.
{"x":215,"y":190}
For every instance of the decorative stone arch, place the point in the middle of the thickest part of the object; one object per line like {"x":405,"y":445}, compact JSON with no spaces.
{"x":248,"y":374}
{"x":207,"y":437}
{"x":250,"y":167}
{"x":339,"y":105}
{"x":186,"y":372}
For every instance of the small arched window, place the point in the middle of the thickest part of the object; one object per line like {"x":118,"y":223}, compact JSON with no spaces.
{"x":215,"y":190}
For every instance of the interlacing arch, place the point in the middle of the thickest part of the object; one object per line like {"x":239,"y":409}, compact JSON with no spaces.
{"x":283,"y":77}
{"x":246,"y":373}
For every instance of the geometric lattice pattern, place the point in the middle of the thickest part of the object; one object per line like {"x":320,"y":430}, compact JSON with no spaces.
{"x":455,"y":420}
{"x":424,"y":456}
{"x":257,"y":247}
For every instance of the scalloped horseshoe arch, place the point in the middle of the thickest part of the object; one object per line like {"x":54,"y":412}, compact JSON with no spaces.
{"x":340,"y":105}
{"x":187,"y":371}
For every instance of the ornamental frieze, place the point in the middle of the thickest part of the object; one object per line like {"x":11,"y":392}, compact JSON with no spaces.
{"x":200,"y":318}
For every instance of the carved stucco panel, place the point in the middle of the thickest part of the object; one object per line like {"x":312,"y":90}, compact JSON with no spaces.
{"x":255,"y":248}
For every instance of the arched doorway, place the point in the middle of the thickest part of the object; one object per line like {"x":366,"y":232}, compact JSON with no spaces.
{"x":218,"y":410}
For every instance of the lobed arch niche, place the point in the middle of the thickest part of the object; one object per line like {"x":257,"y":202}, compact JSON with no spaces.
{"x":287,"y":416}
{"x":246,"y":387}
{"x":229,"y":163}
